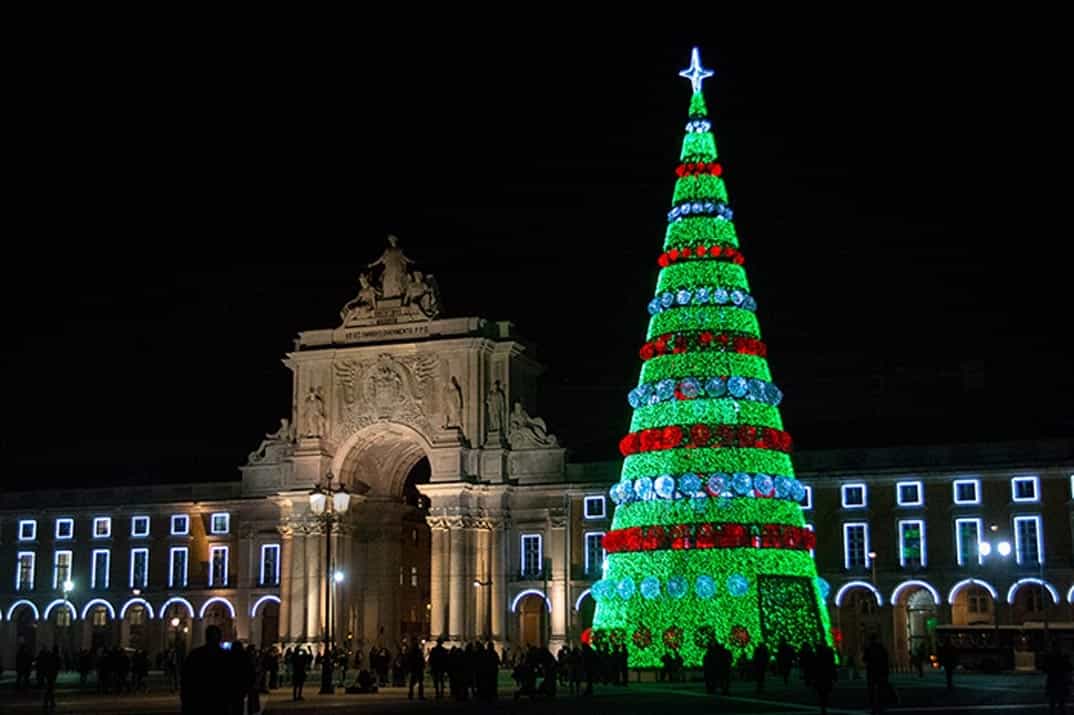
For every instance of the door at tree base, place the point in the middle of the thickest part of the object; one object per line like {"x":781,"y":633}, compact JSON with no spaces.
{"x":708,"y":542}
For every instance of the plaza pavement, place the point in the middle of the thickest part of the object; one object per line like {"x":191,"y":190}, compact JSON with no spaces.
{"x":1005,"y":693}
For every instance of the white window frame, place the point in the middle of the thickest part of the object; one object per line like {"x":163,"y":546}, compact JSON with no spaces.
{"x":18,"y":570}
{"x":1036,"y":519}
{"x":1072,"y":486}
{"x":921,"y":528}
{"x":62,"y":521}
{"x":976,"y":491}
{"x":276,"y":575}
{"x":32,"y":523}
{"x":185,"y":519}
{"x":807,"y":504}
{"x":920,"y":493}
{"x":212,"y":560}
{"x":56,"y":566}
{"x":1034,"y":480}
{"x":171,"y":566}
{"x":522,"y":553}
{"x":107,"y":521}
{"x":594,"y":500}
{"x":585,"y":545}
{"x":145,"y":576}
{"x":847,"y":526}
{"x":107,"y":569}
{"x":140,"y":519}
{"x":864,"y":495}
{"x":958,"y":537}
{"x":227,"y":523}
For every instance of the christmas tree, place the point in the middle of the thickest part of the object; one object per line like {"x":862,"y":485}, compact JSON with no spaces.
{"x":708,"y":541}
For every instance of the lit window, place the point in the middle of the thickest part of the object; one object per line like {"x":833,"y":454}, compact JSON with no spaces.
{"x":177,"y":566}
{"x":977,"y":600}
{"x":968,"y":541}
{"x":136,"y":616}
{"x":855,"y":545}
{"x":909,"y":494}
{"x":594,"y":508}
{"x":180,"y":524}
{"x":24,"y":571}
{"x":220,"y":523}
{"x":594,"y":553}
{"x":1025,"y":489}
{"x":139,"y":568}
{"x":63,"y":617}
{"x":1028,"y":540}
{"x":100,"y":617}
{"x":139,"y":526}
{"x":27,"y":530}
{"x":270,"y":565}
{"x":99,"y":572}
{"x":912,"y":543}
{"x":854,"y":496}
{"x":531,"y":555}
{"x":807,"y":501}
{"x":102,"y":527}
{"x":65,"y":529}
{"x":967,"y":491}
{"x":218,"y":566}
{"x":61,"y":569}
{"x":414,"y":576}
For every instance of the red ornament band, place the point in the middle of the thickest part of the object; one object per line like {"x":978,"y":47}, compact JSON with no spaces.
{"x":716,"y":253}
{"x":709,"y":536}
{"x":696,"y":341}
{"x":697,"y":168}
{"x":702,"y":435}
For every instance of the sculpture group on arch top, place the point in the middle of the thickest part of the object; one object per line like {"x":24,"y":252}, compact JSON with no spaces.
{"x":708,"y":541}
{"x":418,"y":390}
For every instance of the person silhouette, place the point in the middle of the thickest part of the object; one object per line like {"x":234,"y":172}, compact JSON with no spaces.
{"x":205,"y":670}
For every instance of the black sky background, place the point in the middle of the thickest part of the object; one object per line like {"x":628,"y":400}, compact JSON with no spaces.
{"x":181,"y":209}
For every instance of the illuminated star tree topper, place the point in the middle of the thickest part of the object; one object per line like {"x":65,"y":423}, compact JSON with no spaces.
{"x":695,"y":72}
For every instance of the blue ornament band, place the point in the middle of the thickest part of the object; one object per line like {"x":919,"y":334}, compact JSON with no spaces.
{"x":690,"y":388}
{"x":702,"y":295}
{"x":713,"y":207}
{"x":716,"y":485}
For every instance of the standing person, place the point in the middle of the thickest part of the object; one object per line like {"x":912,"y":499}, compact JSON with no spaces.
{"x":724,"y":660}
{"x":416,"y":666}
{"x":589,"y":664}
{"x":205,"y":670}
{"x":760,"y":665}
{"x":876,"y":674}
{"x":822,"y":674}
{"x":24,"y":660}
{"x":805,"y":662}
{"x":1057,"y":679}
{"x":438,"y":663}
{"x":300,"y":663}
{"x":948,"y":661}
{"x":48,"y":667}
{"x":708,"y":668}
{"x":785,"y":660}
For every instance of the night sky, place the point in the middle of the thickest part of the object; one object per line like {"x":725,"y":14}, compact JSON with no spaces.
{"x":901,"y":199}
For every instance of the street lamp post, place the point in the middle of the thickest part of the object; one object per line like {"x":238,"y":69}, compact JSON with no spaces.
{"x":487,"y":585}
{"x":68,"y":586}
{"x":872,"y":562}
{"x":328,"y":503}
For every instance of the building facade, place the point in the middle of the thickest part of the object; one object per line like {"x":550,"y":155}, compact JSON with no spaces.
{"x":466,"y":520}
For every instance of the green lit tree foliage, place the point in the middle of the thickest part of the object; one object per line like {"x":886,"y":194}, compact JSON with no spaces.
{"x":708,"y":540}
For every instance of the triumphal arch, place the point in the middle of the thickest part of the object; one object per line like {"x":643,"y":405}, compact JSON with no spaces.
{"x":425,"y":549}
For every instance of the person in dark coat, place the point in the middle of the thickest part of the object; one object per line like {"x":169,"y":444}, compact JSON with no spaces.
{"x":205,"y":671}
{"x":760,"y":665}
{"x":1057,"y":679}
{"x":589,"y":664}
{"x":49,"y":667}
{"x":876,"y":674}
{"x":415,"y":662}
{"x":785,"y":660}
{"x":948,"y":661}
{"x":438,"y":662}
{"x":822,"y":674}
{"x":300,"y":663}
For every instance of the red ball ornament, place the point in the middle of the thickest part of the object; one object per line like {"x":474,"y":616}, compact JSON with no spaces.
{"x":663,"y":260}
{"x":740,"y":636}
{"x":673,"y":254}
{"x":700,"y":435}
{"x":673,"y":637}
{"x":715,"y":251}
{"x":643,"y":637}
{"x":672,"y":436}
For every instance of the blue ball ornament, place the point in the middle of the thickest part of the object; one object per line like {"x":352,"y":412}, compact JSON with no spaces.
{"x":756,"y":389}
{"x":763,"y":485}
{"x":720,"y":297}
{"x":625,"y":588}
{"x":664,"y":486}
{"x":643,"y":489}
{"x":690,"y":388}
{"x":737,"y":585}
{"x":737,"y":386}
{"x":650,"y":587}
{"x":603,"y":590}
{"x":689,"y":485}
{"x":677,"y":587}
{"x":667,"y":299}
{"x":705,"y":587}
{"x":783,"y":487}
{"x":716,"y":484}
{"x":665,"y":389}
{"x":824,"y":587}
{"x":701,"y":296}
{"x":737,"y":296}
{"x":654,"y":306}
{"x":683,"y":297}
{"x":715,"y":387}
{"x":773,"y":395}
{"x":742,"y":484}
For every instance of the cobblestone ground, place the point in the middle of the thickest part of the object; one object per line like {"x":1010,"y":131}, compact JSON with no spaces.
{"x":972,"y":693}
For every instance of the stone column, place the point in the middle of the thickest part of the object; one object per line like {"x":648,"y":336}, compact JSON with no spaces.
{"x":286,"y":545}
{"x":457,"y":581}
{"x":438,"y":570}
{"x":314,"y":582}
{"x":498,"y":575}
{"x":557,"y":583}
{"x":298,"y":606}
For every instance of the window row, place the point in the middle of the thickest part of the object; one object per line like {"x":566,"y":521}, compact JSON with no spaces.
{"x":912,"y":493}
{"x":531,"y":558}
{"x":970,"y":543}
{"x":219,"y":523}
{"x":138,"y":575}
